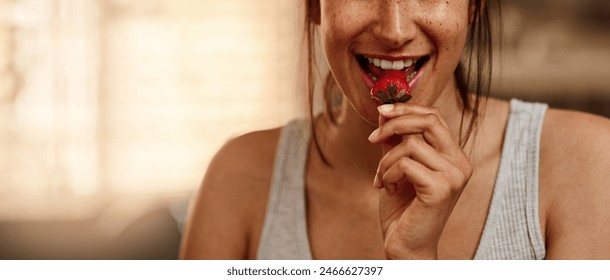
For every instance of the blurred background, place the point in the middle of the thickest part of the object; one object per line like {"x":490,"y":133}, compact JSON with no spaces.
{"x":558,"y":52}
{"x":110,"y":110}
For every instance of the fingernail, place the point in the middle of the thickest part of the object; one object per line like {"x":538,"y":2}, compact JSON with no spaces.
{"x":374,"y":135}
{"x":386,"y":108}
{"x":376,"y":183}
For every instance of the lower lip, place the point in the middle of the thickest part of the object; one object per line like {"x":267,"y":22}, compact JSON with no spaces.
{"x":412,"y":83}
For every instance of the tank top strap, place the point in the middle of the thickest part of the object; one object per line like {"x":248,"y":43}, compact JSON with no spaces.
{"x":284,"y":234}
{"x":512,"y":229}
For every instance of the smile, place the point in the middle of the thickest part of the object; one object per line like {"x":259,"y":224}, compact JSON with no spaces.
{"x":374,"y":67}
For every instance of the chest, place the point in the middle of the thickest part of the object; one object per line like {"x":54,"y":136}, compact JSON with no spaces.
{"x":346,"y":225}
{"x":343,"y":227}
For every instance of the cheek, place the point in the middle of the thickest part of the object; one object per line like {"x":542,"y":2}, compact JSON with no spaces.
{"x":447,"y":25}
{"x":339,"y":23}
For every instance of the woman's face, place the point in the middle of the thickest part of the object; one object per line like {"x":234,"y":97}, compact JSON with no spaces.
{"x":362,"y":38}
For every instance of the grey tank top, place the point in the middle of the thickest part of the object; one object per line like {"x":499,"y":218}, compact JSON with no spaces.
{"x":512,"y":229}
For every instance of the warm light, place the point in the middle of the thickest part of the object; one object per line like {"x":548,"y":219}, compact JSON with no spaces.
{"x":135,"y":97}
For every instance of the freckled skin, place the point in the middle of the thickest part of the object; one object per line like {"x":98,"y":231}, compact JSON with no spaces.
{"x":389,"y":27}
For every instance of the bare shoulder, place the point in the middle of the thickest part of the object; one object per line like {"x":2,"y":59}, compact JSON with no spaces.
{"x":243,"y":165}
{"x":577,"y":143}
{"x":245,"y":156}
{"x":577,"y":127}
{"x":230,"y":205}
{"x":575,"y":184}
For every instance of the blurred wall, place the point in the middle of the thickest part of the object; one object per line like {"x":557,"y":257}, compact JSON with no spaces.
{"x":556,"y":52}
{"x":111,"y":109}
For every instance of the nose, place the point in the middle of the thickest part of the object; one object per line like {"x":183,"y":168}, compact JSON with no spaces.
{"x":395,"y":26}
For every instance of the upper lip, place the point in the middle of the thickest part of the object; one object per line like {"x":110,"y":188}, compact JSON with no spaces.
{"x":391,"y":57}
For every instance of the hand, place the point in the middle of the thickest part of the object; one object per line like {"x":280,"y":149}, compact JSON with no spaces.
{"x":423,"y":172}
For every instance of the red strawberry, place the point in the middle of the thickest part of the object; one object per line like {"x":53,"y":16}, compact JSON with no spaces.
{"x":392,"y":87}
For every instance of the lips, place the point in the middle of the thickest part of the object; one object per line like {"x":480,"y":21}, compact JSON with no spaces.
{"x":374,"y":67}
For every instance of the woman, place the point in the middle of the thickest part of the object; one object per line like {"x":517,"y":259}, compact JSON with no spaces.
{"x":448,"y":175}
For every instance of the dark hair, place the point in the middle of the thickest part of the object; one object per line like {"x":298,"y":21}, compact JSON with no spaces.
{"x":472,"y":74}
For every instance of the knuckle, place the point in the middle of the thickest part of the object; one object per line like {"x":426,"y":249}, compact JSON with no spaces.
{"x":436,"y":111}
{"x":456,"y":188}
{"x":432,"y":119}
{"x":444,"y":193}
{"x":411,"y":142}
{"x":452,"y":184}
{"x":464,"y":171}
{"x":460,"y":180}
{"x":451,"y":193}
{"x":394,"y":129}
{"x":404,"y":163}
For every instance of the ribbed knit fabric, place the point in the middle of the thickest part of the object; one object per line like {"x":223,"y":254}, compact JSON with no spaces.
{"x":512,"y":229}
{"x":284,"y":233}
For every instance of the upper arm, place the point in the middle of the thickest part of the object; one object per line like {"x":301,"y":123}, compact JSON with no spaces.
{"x":575,"y":173}
{"x":231,"y":200}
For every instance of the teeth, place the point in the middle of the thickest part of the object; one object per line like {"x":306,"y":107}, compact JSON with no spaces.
{"x":398,"y":64}
{"x":372,"y":77}
{"x":391,"y":65}
{"x":386,"y":64}
{"x":412,"y":75}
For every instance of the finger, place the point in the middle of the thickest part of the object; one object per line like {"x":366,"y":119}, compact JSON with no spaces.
{"x":414,"y":147}
{"x":382,"y":119}
{"x":432,"y":188}
{"x":390,"y":111}
{"x":409,"y":170}
{"x":389,"y":143}
{"x":392,"y":141}
{"x":427,"y":125}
